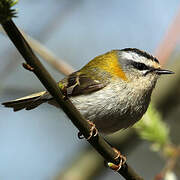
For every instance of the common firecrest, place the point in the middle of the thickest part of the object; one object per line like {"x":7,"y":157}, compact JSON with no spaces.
{"x":113,"y":90}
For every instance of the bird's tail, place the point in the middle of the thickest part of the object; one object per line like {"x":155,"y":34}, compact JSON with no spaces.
{"x":28,"y":102}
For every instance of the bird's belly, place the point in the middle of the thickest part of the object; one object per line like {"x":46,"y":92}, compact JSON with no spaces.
{"x":109,"y":112}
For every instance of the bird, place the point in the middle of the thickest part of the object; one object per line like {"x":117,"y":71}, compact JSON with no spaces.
{"x":113,"y":90}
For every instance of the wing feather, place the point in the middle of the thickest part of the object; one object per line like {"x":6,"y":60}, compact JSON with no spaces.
{"x":77,"y":84}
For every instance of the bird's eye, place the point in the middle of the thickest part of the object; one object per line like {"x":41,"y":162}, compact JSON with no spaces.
{"x":140,"y":66}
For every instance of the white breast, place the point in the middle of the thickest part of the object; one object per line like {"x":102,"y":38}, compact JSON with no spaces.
{"x":113,"y":107}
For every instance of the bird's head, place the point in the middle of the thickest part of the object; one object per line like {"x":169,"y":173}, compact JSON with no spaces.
{"x":140,"y":68}
{"x":130,"y":65}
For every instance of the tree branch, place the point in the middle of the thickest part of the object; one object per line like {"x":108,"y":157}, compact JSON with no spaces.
{"x":97,"y":142}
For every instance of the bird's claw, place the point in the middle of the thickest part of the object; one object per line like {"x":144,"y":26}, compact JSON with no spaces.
{"x":80,"y":135}
{"x":93,"y":131}
{"x":122,"y":161}
{"x":27,"y":67}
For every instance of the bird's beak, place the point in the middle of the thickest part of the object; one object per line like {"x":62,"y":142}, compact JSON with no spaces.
{"x":163,"y":71}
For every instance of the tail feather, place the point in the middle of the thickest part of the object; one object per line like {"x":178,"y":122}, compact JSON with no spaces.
{"x":27,"y":102}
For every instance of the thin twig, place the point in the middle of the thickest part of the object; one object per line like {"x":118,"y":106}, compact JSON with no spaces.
{"x":57,"y":63}
{"x":97,"y":142}
{"x":171,"y":161}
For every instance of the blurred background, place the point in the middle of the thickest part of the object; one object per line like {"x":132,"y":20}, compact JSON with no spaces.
{"x":42,"y":144}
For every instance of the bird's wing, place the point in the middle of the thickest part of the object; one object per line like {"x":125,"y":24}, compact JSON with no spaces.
{"x":78,"y":83}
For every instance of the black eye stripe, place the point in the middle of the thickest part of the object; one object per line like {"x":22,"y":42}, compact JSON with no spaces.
{"x":140,"y":66}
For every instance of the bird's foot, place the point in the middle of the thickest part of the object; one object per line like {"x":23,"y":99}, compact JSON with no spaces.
{"x":122,"y":161}
{"x":93,"y":131}
{"x":27,"y":67}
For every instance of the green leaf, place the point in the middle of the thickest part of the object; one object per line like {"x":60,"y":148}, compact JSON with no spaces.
{"x":152,"y":128}
{"x":6,"y":11}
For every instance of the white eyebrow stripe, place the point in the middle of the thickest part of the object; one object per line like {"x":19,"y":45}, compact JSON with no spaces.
{"x":137,"y":58}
